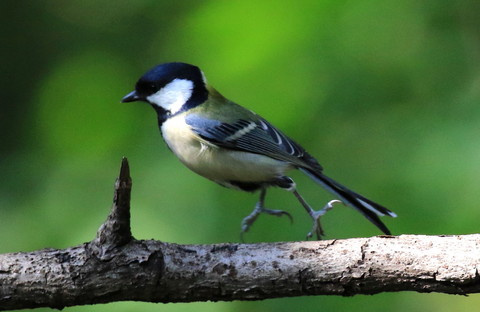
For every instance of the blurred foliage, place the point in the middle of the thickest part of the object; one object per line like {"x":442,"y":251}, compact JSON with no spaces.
{"x":384,"y":93}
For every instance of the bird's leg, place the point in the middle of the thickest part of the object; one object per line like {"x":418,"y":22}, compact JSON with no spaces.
{"x":259,"y":208}
{"x":315,"y":214}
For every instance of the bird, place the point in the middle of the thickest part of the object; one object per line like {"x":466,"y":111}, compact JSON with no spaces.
{"x":233,"y":146}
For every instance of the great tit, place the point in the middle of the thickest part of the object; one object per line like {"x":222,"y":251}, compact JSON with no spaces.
{"x":234,"y":147}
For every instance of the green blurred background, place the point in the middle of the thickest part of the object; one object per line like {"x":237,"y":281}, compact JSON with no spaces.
{"x":384,"y":93}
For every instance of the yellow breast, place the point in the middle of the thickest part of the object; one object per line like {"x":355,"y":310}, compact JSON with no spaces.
{"x":218,"y":164}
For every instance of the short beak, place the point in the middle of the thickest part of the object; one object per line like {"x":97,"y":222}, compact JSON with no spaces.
{"x":131,"y":97}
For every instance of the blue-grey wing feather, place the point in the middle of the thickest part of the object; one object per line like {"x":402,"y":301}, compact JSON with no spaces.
{"x":258,"y":137}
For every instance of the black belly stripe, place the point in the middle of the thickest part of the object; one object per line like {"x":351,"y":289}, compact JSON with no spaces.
{"x":282,"y":182}
{"x":247,"y":186}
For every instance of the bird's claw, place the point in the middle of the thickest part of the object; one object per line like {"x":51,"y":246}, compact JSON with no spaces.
{"x":252,"y":217}
{"x":278,"y":213}
{"x":317,"y":227}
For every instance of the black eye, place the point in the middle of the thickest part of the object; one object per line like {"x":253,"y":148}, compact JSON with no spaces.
{"x":151,"y":88}
{"x":146,"y":87}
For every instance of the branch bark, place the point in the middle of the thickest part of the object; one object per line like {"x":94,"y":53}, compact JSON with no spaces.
{"x":117,"y":267}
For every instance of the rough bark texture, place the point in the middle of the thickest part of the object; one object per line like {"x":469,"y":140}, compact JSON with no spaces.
{"x":116,"y":267}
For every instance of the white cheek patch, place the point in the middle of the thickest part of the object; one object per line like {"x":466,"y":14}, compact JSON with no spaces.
{"x":173,"y":96}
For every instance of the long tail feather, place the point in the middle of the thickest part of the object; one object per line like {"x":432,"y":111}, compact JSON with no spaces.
{"x":368,"y":208}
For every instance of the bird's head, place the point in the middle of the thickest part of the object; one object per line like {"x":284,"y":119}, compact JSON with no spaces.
{"x":171,"y":88}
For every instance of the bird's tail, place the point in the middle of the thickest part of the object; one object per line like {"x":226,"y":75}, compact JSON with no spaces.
{"x":368,"y":208}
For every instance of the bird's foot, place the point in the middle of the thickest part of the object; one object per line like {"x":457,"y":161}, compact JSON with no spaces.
{"x":250,"y":219}
{"x":316,"y":214}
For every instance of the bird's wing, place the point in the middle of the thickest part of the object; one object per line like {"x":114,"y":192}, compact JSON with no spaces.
{"x":254,"y":136}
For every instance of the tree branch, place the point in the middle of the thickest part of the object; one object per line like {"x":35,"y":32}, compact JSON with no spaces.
{"x":117,"y":267}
